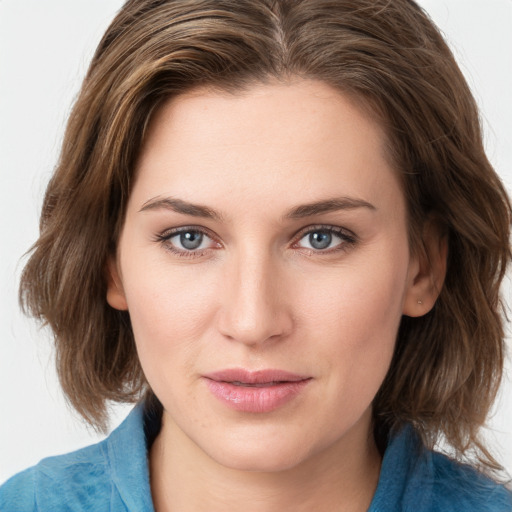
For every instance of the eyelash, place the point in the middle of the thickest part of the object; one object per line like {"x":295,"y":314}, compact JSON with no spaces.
{"x":165,"y":238}
{"x":347,"y":237}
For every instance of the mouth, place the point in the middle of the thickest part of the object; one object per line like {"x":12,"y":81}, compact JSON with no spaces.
{"x":255,"y":392}
{"x":242,"y":377}
{"x":259,"y":385}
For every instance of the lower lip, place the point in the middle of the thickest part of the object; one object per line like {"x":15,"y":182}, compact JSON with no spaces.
{"x":256,"y":399}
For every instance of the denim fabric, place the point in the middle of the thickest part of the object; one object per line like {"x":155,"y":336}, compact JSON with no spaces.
{"x":113,"y":476}
{"x":109,"y":476}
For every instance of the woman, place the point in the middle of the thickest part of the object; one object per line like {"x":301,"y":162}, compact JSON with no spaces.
{"x":275,"y":222}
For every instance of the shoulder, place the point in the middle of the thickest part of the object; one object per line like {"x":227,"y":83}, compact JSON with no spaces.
{"x":461,"y":487}
{"x":415,"y":479}
{"x":110,"y":475}
{"x":18,"y":492}
{"x":75,"y":481}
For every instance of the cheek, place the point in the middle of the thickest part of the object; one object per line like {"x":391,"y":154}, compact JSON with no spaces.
{"x":169,"y":311}
{"x":355,"y":318}
{"x":358,"y":304}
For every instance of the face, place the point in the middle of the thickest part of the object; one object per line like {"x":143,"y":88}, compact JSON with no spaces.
{"x":265,"y":265}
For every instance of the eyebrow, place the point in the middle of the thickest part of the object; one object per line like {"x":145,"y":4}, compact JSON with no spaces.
{"x":180,"y":206}
{"x":327,"y":206}
{"x":298,"y":212}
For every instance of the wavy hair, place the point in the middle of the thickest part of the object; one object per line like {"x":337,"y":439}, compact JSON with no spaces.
{"x":389,"y":55}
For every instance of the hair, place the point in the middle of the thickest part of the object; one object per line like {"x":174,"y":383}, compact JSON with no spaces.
{"x":388,"y":55}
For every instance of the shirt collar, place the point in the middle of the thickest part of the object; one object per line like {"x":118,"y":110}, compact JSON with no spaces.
{"x":128,"y":455}
{"x":405,"y":476}
{"x":405,"y":455}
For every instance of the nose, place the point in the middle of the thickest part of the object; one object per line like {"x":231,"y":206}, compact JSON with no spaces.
{"x":254,"y":306}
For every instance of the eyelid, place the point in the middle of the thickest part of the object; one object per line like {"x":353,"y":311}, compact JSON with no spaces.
{"x":347,"y":233}
{"x":348,"y":237}
{"x":165,"y":236}
{"x":170,"y":232}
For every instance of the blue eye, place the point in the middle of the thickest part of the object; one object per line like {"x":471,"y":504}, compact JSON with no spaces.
{"x":186,"y":241}
{"x":325,"y":238}
{"x":190,"y":240}
{"x":320,"y":240}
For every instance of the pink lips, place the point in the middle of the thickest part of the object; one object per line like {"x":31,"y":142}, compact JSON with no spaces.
{"x":260,"y":391}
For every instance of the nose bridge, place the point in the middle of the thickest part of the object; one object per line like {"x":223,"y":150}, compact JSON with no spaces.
{"x":253,"y":309}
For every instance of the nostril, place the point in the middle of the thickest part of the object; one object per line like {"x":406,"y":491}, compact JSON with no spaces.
{"x":253,"y":305}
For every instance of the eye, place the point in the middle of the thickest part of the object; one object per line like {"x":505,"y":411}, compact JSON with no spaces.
{"x":187,"y":241}
{"x":326,"y":239}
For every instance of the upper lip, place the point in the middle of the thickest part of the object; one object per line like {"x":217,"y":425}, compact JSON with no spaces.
{"x":254,"y":377}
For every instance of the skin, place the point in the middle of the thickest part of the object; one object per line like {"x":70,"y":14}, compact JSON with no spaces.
{"x":258,"y":295}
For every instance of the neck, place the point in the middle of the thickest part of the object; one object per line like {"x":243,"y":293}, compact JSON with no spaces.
{"x":342,"y":477}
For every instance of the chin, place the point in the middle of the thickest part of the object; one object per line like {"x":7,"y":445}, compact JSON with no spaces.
{"x":265,"y":450}
{"x":258,"y":460}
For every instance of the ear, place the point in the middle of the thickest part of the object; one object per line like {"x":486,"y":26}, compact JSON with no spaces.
{"x":427,"y":271}
{"x":115,"y":292}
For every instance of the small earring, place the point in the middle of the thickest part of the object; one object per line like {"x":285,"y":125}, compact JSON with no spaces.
{"x":420,"y":302}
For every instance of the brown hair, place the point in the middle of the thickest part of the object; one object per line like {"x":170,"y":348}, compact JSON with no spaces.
{"x":447,"y":365}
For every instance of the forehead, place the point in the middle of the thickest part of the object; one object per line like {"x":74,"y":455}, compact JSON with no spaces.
{"x":303,"y":138}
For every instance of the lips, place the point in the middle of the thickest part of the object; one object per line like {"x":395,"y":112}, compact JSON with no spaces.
{"x":255,"y":392}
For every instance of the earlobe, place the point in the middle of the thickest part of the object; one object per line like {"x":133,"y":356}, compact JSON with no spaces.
{"x":115,"y":292}
{"x":427,"y":272}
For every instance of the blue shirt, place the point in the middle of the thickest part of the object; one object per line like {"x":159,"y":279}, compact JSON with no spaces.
{"x":113,"y":476}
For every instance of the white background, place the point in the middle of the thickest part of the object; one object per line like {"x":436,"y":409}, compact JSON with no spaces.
{"x":45,"y":47}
